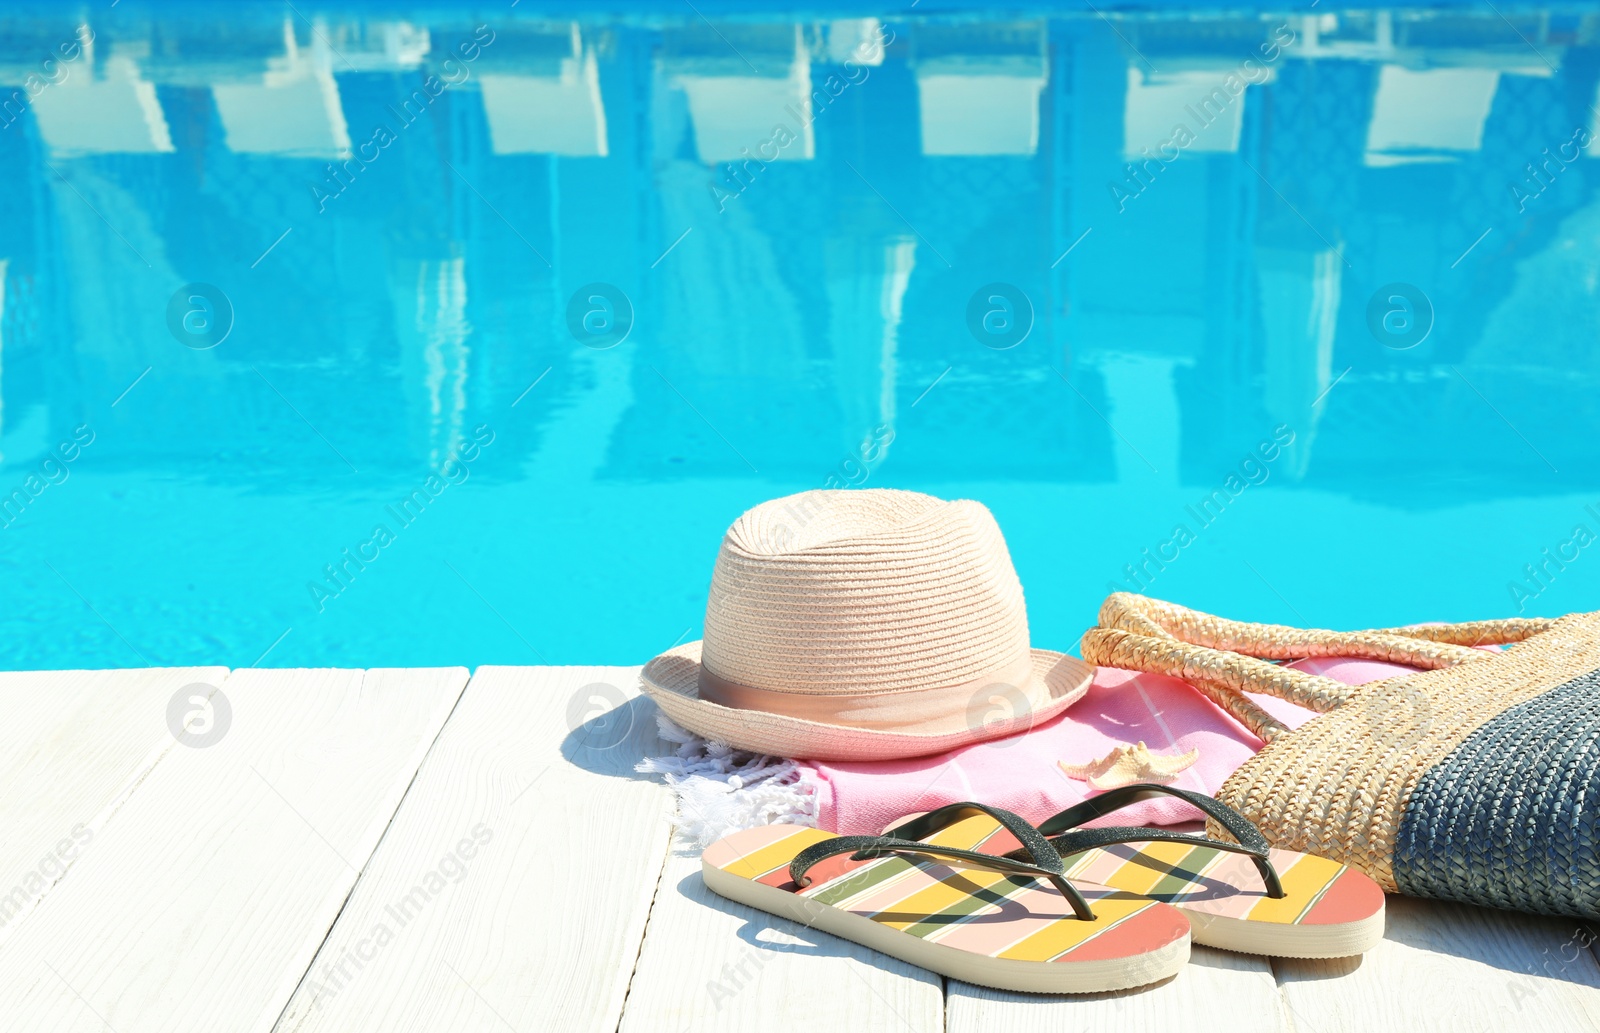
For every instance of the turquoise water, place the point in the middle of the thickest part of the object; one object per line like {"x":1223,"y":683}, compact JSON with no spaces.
{"x":398,"y":336}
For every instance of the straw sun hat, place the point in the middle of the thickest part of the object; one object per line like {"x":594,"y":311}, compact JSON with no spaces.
{"x":863,"y":625}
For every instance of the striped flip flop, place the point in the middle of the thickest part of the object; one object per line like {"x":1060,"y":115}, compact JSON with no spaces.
{"x":1244,"y":896}
{"x":945,"y":901}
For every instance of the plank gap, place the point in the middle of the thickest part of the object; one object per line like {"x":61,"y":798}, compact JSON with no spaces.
{"x":650,"y":914}
{"x":366,"y":864}
{"x":486,"y":943}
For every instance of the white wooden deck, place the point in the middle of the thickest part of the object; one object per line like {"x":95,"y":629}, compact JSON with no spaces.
{"x":411,"y":850}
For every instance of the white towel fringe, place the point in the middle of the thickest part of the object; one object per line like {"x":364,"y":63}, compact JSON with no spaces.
{"x":721,"y":789}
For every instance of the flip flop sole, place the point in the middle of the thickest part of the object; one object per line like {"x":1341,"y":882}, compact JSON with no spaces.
{"x":1243,"y":936}
{"x":1329,"y":910}
{"x":983,"y":927}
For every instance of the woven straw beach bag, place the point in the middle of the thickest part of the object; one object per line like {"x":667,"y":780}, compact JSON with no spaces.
{"x":1476,"y":779}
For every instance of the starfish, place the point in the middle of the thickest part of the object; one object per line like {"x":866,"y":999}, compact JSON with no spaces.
{"x":1125,"y":765}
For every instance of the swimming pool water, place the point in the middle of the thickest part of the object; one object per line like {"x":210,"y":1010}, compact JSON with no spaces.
{"x":397,"y":336}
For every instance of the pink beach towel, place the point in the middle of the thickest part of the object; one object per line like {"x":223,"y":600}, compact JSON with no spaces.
{"x":1022,"y":773}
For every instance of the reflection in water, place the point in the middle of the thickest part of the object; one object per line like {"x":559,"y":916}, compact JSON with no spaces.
{"x":737,"y":89}
{"x":1196,"y":225}
{"x":978,"y":87}
{"x":544,"y":97}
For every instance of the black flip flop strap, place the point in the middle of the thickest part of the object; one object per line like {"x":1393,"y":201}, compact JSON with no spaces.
{"x":862,"y":848}
{"x":1115,"y":799}
{"x":1088,"y":839}
{"x":1044,"y":861}
{"x":1250,"y":840}
{"x":1038,"y":849}
{"x":1037,"y":845}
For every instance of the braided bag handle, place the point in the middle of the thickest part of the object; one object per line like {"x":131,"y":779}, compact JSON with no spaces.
{"x":1223,"y":659}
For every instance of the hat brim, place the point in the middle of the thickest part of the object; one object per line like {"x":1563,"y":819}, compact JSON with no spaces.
{"x":673,"y":681}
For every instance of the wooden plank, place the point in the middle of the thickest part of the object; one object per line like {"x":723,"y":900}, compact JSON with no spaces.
{"x":73,"y":746}
{"x":1217,"y":991}
{"x":1451,"y":967}
{"x":202,"y":903}
{"x":535,"y":923}
{"x":710,"y":964}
